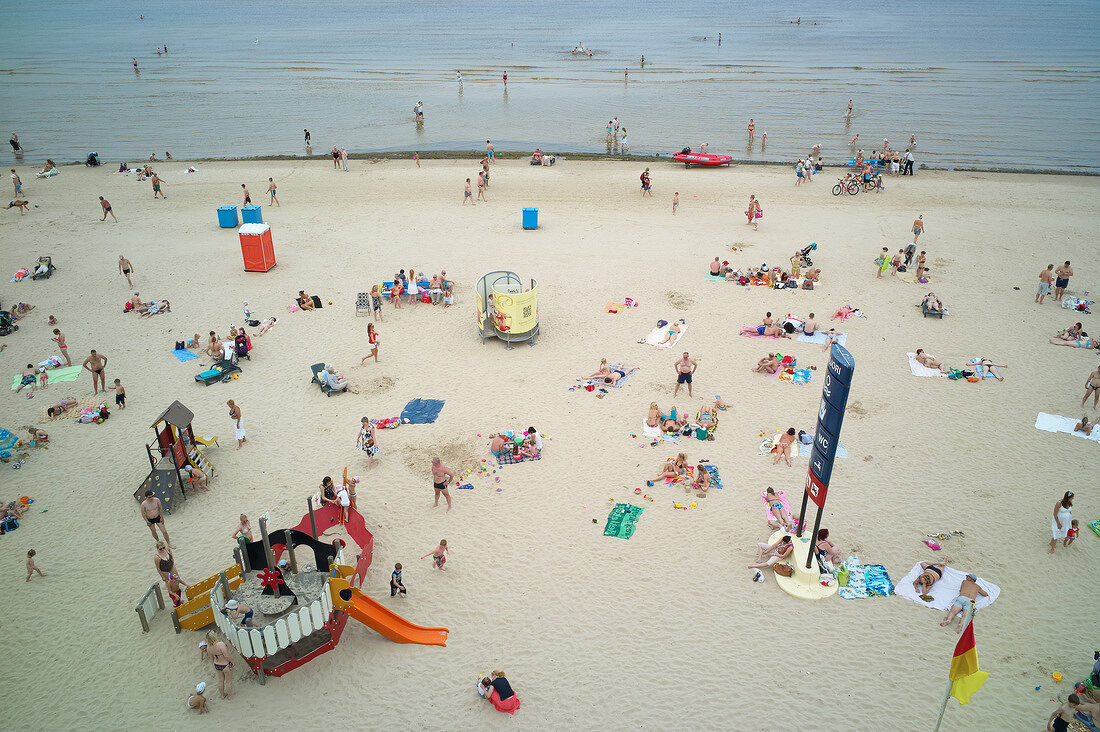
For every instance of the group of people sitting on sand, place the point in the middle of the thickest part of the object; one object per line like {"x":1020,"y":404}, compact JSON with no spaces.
{"x":438,"y":289}
{"x":147,"y":309}
{"x":542,"y":158}
{"x":675,"y":423}
{"x":237,"y":343}
{"x":677,"y":470}
{"x":775,"y":277}
{"x":517,"y":445}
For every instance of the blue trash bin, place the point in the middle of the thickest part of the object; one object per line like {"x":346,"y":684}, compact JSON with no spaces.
{"x":252,"y":215}
{"x":227,"y":217}
{"x":530,"y":218}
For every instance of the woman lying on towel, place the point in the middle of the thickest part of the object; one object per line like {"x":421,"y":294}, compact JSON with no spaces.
{"x":1082,"y":342}
{"x":62,"y":406}
{"x":155,"y":307}
{"x":673,"y":331}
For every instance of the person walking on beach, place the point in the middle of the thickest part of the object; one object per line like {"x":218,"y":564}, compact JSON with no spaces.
{"x":32,"y":567}
{"x":1061,"y":282}
{"x":372,"y":341}
{"x":685,"y":369}
{"x":271,"y":193}
{"x":466,"y":194}
{"x":125,"y":268}
{"x":59,"y":338}
{"x":17,"y":182}
{"x":918,"y":228}
{"x":344,"y":158}
{"x":1092,"y":386}
{"x":223,"y":664}
{"x":757,"y":215}
{"x":1060,"y":524}
{"x":441,"y":478}
{"x":106,"y":206}
{"x":489,"y":151}
{"x":152,"y":510}
{"x":366,"y":440}
{"x":1046,"y":276}
{"x":396,"y":585}
{"x":644,"y":177}
{"x":675,"y":201}
{"x":238,"y":427}
{"x":96,"y":363}
{"x":156,"y":181}
{"x":481,"y":187}
{"x":439,"y":554}
{"x":247,"y":195}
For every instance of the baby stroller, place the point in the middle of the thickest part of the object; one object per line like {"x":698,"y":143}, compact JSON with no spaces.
{"x":806,"y":261}
{"x":93,"y":159}
{"x":7,"y":323}
{"x":240,"y":346}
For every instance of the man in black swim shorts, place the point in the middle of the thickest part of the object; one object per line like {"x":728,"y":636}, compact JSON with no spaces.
{"x":441,"y":478}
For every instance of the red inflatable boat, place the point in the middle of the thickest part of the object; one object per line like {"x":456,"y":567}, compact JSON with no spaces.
{"x":689,"y":158}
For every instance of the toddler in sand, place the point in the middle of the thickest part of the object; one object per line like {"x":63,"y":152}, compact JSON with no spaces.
{"x":438,"y":554}
{"x":1071,"y":534}
{"x":31,"y":567}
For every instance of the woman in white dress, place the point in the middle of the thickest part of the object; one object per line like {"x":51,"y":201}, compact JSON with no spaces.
{"x":1059,"y":525}
{"x":366,"y":442}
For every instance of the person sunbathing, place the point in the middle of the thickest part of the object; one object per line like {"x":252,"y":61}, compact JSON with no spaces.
{"x":1073,"y":332}
{"x":496,"y":444}
{"x":653,"y":419}
{"x":772,"y":331}
{"x":986,"y":366}
{"x":932,"y":303}
{"x":780,"y":517}
{"x":619,"y":372}
{"x":603,"y":371}
{"x":20,"y":204}
{"x":62,"y":407}
{"x":49,"y":169}
{"x":813,"y":273}
{"x":305,"y":302}
{"x":844,"y":313}
{"x":778,"y":551}
{"x":1083,"y":342}
{"x":933,"y":363}
{"x":826,"y":549}
{"x":266,"y":325}
{"x":931,"y":573}
{"x":1084,"y":426}
{"x":155,"y":307}
{"x":769,"y":364}
{"x":672,"y":469}
{"x":707,"y":418}
{"x":670,"y":336}
{"x":831,"y":336}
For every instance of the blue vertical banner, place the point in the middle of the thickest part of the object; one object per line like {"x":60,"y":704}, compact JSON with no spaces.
{"x":830,"y":417}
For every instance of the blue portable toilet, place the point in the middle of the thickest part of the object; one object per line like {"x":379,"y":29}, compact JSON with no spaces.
{"x":227,"y":217}
{"x":252,"y":215}
{"x":530,"y":218}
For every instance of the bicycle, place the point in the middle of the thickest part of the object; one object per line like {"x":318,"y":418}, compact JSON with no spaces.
{"x":845,"y":184}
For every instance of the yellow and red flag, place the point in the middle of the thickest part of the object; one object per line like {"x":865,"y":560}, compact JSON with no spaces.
{"x":966,"y":677}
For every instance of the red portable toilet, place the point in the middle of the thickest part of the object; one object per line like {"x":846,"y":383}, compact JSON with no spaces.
{"x":256,"y":248}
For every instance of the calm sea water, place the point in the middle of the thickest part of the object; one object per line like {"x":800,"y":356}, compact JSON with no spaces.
{"x":1012,"y":84}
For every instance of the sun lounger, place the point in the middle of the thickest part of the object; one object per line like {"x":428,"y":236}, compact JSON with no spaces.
{"x":317,"y":368}
{"x":928,"y":311}
{"x":219,"y":371}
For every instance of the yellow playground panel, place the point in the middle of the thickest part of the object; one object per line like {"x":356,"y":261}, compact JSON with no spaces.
{"x":505,"y":309}
{"x":197,"y":612}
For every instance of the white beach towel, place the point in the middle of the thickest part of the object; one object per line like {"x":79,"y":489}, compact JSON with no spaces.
{"x":657,"y":334}
{"x":819,"y":338}
{"x":648,"y":431}
{"x":1055,"y":423}
{"x":945,"y":590}
{"x":920,"y":369}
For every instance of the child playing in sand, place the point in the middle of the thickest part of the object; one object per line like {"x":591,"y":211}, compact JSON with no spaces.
{"x":448,"y":295}
{"x":1071,"y":534}
{"x":31,"y":567}
{"x":29,"y":378}
{"x":396,"y":586}
{"x":38,"y":437}
{"x":44,"y":380}
{"x":675,"y":201}
{"x":438,"y":554}
{"x":120,"y":395}
{"x":701,"y":482}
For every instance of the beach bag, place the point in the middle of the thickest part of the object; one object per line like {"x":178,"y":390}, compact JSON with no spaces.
{"x":783,"y":570}
{"x":180,"y":345}
{"x":700,"y":433}
{"x":253,"y":323}
{"x":842,"y":577}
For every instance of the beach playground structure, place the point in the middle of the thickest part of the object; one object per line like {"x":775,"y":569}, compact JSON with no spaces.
{"x":302,"y":591}
{"x":505,"y":310}
{"x":175,"y":449}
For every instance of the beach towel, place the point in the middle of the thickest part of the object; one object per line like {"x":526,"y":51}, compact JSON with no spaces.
{"x":182,"y":354}
{"x":507,"y":459}
{"x":807,"y":450}
{"x":1073,"y":303}
{"x":1054,"y":423}
{"x":801,"y":376}
{"x":920,"y":369}
{"x":865,"y":580}
{"x":621,"y":521}
{"x":715,"y":479}
{"x":421,"y":411}
{"x":945,"y":591}
{"x":1095,"y":526}
{"x":819,"y":338}
{"x":615,"y":307}
{"x":658,"y":333}
{"x":655,"y":433}
{"x":81,"y":406}
{"x":69,"y":373}
{"x":974,"y":363}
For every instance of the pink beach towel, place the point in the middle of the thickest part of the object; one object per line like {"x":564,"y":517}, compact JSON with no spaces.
{"x":786,"y":507}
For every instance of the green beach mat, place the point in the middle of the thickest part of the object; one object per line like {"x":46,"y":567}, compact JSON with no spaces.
{"x":69,"y":373}
{"x":620,"y":522}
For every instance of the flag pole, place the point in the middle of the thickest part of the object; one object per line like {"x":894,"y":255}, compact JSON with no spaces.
{"x":969,"y":618}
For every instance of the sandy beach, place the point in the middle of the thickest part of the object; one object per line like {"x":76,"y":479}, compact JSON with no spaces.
{"x":666,"y":629}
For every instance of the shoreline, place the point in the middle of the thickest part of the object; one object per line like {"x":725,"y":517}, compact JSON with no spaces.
{"x":574,"y":156}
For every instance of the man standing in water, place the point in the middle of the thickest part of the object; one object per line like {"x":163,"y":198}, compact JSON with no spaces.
{"x":441,"y":478}
{"x":849,"y":115}
{"x":14,"y":142}
{"x":1063,"y":273}
{"x":95,"y":363}
{"x":307,"y":138}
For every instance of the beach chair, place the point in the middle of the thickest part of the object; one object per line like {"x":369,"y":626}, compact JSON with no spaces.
{"x":317,"y":368}
{"x":45,"y":275}
{"x":218,"y":372}
{"x":362,"y":303}
{"x":928,"y":311}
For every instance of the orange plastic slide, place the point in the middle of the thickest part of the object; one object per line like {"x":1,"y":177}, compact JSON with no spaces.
{"x":391,"y":625}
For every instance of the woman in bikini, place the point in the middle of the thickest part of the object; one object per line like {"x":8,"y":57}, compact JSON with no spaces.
{"x":62,"y":406}
{"x":673,"y":468}
{"x":986,"y":366}
{"x":164,"y":562}
{"x":701,"y":482}
{"x":931,"y":573}
{"x":781,"y":519}
{"x":778,"y":551}
{"x":223,"y":664}
{"x":244,"y":529}
{"x":828,"y":550}
{"x":603,"y":371}
{"x":653,"y":419}
{"x":783,"y":447}
{"x":670,"y":336}
{"x":1085,"y":342}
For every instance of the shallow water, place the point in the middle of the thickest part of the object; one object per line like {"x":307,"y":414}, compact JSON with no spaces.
{"x":1013,"y":85}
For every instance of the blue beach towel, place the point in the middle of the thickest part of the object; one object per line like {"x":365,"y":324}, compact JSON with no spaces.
{"x":421,"y":411}
{"x":819,"y":338}
{"x":183,"y":354}
{"x":715,"y":479}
